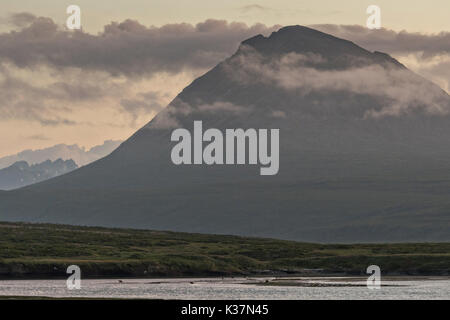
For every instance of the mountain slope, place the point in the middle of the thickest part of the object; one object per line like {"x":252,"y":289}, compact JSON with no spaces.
{"x":362,"y":153}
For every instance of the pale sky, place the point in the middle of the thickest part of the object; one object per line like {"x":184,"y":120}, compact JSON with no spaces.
{"x":51,"y":113}
{"x":412,"y":15}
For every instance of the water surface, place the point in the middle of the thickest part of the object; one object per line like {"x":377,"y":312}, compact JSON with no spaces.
{"x":236,"y":288}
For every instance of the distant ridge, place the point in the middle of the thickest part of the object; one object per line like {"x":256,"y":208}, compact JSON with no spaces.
{"x":21,"y":174}
{"x":64,"y":152}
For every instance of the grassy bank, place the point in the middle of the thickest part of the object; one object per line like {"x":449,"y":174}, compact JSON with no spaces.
{"x":45,"y":251}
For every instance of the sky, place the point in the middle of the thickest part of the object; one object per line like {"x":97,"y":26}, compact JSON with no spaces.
{"x":132,"y":57}
{"x":412,"y":15}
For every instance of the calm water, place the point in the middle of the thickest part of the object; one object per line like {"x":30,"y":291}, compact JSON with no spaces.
{"x":227,"y":289}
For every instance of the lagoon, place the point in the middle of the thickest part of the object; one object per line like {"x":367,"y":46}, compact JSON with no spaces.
{"x":234,"y":288}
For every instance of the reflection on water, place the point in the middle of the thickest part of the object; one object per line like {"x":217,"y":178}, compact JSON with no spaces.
{"x":237,"y":288}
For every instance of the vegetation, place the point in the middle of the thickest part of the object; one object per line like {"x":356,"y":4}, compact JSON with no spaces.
{"x":45,"y":251}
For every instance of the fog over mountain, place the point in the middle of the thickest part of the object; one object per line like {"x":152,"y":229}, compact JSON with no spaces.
{"x":81,"y":156}
{"x":21,"y":174}
{"x":363,"y":153}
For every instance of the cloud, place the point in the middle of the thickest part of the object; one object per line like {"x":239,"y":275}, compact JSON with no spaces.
{"x":144,"y":103}
{"x":39,"y":137}
{"x":168,"y":118}
{"x":57,"y":77}
{"x":436,"y":68}
{"x":126,"y":48}
{"x":25,"y":96}
{"x":221,"y":106}
{"x":278,"y":114}
{"x":19,"y":20}
{"x":254,"y":7}
{"x":48,"y":73}
{"x":131,"y":48}
{"x":390,"y":41}
{"x":403,"y":91}
{"x":427,"y":54}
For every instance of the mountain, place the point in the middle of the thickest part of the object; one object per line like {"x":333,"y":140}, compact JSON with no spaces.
{"x":363,"y":153}
{"x":21,"y":174}
{"x":62,"y":151}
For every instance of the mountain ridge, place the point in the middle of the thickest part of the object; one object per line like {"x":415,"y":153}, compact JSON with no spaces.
{"x":78,"y":154}
{"x":21,"y":174}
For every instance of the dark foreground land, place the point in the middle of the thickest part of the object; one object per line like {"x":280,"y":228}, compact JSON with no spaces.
{"x":45,"y":251}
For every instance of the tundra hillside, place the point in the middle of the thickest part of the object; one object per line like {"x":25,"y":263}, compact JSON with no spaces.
{"x":45,"y":251}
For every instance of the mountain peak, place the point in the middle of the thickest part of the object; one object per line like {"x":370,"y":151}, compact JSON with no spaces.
{"x":293,"y":36}
{"x":299,"y":39}
{"x":295,"y":31}
{"x":350,"y":131}
{"x":301,"y":31}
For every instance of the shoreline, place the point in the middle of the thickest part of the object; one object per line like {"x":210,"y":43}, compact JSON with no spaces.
{"x":335,"y":277}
